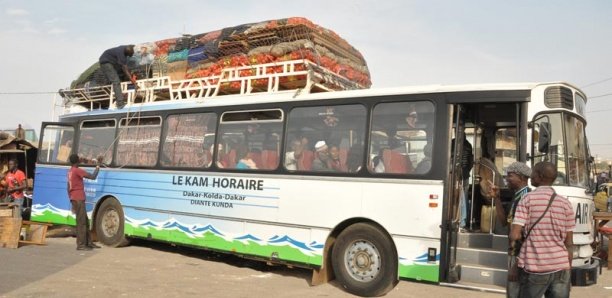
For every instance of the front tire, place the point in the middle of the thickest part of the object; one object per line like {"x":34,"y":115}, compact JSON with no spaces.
{"x":364,"y":260}
{"x":109,"y":224}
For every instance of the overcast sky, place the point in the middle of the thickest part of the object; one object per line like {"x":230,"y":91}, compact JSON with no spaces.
{"x":44,"y":45}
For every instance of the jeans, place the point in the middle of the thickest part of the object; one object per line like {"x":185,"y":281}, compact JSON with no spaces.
{"x":19,"y":202}
{"x":111,"y":74}
{"x":82,"y":227}
{"x":555,"y":285}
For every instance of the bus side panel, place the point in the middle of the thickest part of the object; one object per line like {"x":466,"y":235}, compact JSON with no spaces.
{"x":268,"y":241}
{"x":211,"y":211}
{"x":410,"y":211}
{"x":421,"y":266}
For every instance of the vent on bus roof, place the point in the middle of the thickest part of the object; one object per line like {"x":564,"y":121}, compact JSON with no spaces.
{"x":559,"y":97}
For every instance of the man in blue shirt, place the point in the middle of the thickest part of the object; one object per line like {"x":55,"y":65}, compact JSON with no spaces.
{"x":112,"y":62}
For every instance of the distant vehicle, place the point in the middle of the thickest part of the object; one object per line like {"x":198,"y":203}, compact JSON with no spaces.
{"x":30,"y":134}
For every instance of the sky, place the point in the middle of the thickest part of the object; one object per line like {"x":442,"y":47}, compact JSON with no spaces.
{"x":45,"y":45}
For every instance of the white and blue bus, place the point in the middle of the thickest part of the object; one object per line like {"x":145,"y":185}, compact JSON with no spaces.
{"x":357,"y":184}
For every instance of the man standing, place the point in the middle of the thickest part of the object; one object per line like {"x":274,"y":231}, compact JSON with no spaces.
{"x":546,"y":254}
{"x":517,"y":177}
{"x":112,"y":62}
{"x":20,"y":132}
{"x":16,"y":182}
{"x":76,"y":193}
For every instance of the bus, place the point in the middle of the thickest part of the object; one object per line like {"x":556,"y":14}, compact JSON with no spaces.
{"x":360,"y":185}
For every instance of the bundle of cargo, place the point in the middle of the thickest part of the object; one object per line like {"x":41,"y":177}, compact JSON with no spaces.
{"x":244,"y":47}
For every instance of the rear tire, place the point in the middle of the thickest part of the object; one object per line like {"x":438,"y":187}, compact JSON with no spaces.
{"x":364,"y":260}
{"x":109,"y":224}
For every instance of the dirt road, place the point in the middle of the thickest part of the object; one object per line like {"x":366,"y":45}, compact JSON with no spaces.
{"x":147,"y":269}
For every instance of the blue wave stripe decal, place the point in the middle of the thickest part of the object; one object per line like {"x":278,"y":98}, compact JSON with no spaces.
{"x":248,"y":237}
{"x":287,"y":239}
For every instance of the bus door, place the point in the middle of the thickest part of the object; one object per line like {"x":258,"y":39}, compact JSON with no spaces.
{"x":455,"y":188}
{"x":56,"y":144}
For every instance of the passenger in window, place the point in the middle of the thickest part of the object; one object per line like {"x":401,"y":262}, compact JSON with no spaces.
{"x":244,"y":161}
{"x":412,"y":118}
{"x":354,"y":158}
{"x":378,"y":164}
{"x":334,"y":161}
{"x":322,"y":161}
{"x":305,"y":142}
{"x":425,"y":164}
{"x":292,"y":157}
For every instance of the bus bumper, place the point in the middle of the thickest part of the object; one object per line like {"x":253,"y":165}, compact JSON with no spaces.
{"x":585,"y":275}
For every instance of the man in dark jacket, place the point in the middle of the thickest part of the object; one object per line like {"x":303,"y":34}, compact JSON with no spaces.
{"x":112,"y":62}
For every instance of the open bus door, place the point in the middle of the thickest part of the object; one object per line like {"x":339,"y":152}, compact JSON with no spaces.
{"x":55,"y":146}
{"x":455,"y":188}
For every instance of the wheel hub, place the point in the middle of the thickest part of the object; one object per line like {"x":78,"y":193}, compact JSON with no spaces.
{"x":362,"y":260}
{"x":110,"y":223}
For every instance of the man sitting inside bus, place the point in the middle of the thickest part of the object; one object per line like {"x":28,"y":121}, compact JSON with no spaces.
{"x":334,"y":160}
{"x":321,"y":162}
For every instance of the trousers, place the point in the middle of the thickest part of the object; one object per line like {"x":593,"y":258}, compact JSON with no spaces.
{"x":111,"y":74}
{"x":82,"y":224}
{"x":550,"y":285}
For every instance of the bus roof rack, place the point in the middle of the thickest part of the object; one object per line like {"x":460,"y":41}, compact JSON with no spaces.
{"x":274,"y":77}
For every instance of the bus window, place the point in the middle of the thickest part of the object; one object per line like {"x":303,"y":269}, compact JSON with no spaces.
{"x":325,"y":139}
{"x":576,"y":151}
{"x":57,"y":144}
{"x":138,"y":142}
{"x":548,"y":144}
{"x":401,"y":138}
{"x":189,"y":140}
{"x":250,"y":140}
{"x":96,"y":139}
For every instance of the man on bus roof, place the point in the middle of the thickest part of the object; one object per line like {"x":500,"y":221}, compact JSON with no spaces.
{"x":113,"y":62}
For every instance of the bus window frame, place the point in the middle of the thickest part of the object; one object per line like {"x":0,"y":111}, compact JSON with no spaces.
{"x":75,"y":140}
{"x":368,"y":110}
{"x":118,"y":137}
{"x":219,"y":137}
{"x":164,"y":135}
{"x":432,"y":129}
{"x":80,"y":129}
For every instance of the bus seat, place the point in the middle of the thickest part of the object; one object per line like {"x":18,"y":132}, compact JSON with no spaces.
{"x":305,"y":162}
{"x":396,"y":162}
{"x":269,"y":159}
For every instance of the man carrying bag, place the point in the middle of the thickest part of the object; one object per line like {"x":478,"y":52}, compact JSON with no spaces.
{"x":546,"y":254}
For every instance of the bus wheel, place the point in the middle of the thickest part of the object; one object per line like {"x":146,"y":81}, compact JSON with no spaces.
{"x":109,"y":224}
{"x":364,"y":260}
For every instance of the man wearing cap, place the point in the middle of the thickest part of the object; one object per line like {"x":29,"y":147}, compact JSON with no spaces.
{"x":517,"y":177}
{"x":321,"y":163}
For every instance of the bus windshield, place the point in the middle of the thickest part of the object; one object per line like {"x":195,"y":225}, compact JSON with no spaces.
{"x":560,"y":139}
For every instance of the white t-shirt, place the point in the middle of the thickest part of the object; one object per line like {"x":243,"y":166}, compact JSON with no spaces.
{"x":290,"y":161}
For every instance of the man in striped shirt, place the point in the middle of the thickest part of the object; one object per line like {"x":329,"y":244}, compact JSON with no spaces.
{"x":546,"y":255}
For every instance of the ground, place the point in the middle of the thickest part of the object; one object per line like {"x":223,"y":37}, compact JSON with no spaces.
{"x":148,"y":269}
